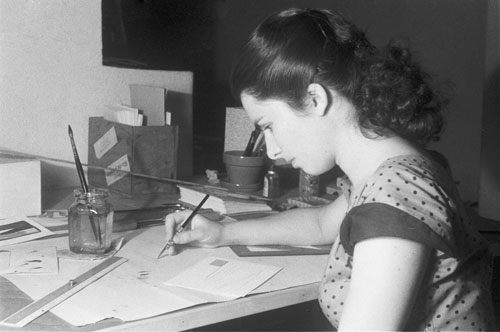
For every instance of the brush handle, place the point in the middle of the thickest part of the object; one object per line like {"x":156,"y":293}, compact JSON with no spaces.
{"x":79,"y":168}
{"x":78,"y":163}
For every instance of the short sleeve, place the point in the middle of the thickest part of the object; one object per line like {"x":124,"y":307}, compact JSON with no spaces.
{"x":407,"y":198}
{"x":382,"y":220}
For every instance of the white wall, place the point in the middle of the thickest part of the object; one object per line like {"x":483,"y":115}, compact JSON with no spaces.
{"x":51,"y":76}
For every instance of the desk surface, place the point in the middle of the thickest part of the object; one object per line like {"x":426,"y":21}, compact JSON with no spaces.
{"x":183,"y":319}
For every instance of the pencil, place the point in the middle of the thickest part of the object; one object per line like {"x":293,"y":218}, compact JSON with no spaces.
{"x":183,"y":225}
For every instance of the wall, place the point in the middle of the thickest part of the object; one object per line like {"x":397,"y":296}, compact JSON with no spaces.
{"x":52,"y":76}
{"x":447,"y":36}
{"x":489,"y":188}
{"x":51,"y":72}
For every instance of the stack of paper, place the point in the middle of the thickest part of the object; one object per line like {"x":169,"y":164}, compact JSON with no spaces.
{"x":221,"y":203}
{"x":124,"y":115}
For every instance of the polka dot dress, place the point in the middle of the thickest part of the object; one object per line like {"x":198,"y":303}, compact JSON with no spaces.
{"x":411,"y":197}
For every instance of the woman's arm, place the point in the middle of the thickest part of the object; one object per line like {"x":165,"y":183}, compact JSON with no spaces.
{"x":309,"y":226}
{"x":306,"y":226}
{"x":386,"y":277}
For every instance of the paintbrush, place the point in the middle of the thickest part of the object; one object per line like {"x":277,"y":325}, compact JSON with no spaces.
{"x":79,"y":168}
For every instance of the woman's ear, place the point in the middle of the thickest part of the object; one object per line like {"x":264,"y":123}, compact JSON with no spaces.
{"x":319,"y":99}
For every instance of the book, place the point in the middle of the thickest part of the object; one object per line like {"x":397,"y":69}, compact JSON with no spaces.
{"x":221,"y":201}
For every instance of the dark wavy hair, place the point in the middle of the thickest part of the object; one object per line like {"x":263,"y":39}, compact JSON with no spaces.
{"x":296,"y":47}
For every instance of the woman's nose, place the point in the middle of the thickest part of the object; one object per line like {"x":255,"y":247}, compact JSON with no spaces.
{"x":273,"y":150}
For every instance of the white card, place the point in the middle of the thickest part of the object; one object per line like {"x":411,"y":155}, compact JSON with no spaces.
{"x":121,"y":164}
{"x":105,"y":143}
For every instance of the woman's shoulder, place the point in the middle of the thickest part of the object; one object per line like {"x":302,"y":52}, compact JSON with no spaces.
{"x":411,"y":179}
{"x":412,"y":169}
{"x":400,"y":173}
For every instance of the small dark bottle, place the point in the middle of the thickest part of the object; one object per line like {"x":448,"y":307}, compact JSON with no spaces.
{"x":271,"y":184}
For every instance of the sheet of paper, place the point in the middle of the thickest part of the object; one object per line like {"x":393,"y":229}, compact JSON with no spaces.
{"x":37,"y":286}
{"x":223,"y":279}
{"x":130,"y":299}
{"x":136,"y":289}
{"x":32,"y":260}
{"x":132,"y":291}
{"x":20,"y":229}
{"x":123,"y":114}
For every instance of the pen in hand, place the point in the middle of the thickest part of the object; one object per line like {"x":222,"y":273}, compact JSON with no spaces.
{"x":183,"y":225}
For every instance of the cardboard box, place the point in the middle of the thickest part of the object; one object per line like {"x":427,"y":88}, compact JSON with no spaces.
{"x":20,"y":187}
{"x":162,"y":106}
{"x":145,"y":150}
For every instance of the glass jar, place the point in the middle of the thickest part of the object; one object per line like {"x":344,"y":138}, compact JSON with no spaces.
{"x":271,"y":184}
{"x":90,"y":222}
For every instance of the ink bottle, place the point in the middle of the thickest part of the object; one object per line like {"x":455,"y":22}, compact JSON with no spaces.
{"x":90,"y":222}
{"x":308,"y":184}
{"x":271,"y":184}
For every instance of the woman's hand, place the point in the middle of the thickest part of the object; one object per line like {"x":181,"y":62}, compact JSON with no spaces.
{"x":200,"y":232}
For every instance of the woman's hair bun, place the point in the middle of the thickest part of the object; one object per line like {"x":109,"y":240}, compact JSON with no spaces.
{"x":396,"y":97}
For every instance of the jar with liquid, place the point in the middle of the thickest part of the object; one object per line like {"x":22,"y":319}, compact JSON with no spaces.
{"x":271,"y":184}
{"x":90,"y":222}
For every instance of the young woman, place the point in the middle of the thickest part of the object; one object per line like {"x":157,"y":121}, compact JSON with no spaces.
{"x":404,"y":253}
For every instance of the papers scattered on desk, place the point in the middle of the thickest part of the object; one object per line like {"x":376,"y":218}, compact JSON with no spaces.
{"x":224,"y":205}
{"x":20,"y":229}
{"x":137,"y":290}
{"x":124,"y":115}
{"x":29,"y":260}
{"x":221,"y":279}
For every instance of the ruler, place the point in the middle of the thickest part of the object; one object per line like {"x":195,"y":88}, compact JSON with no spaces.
{"x":35,"y":309}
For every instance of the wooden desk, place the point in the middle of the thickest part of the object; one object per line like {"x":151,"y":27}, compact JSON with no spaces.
{"x":185,"y":319}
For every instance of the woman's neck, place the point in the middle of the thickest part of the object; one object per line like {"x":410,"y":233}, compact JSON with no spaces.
{"x":361,"y":156}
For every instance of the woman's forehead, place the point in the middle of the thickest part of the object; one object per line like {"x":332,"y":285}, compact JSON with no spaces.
{"x":268,"y":108}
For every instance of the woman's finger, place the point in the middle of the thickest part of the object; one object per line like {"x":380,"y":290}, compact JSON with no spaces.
{"x":171,"y":222}
{"x":188,"y":236}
